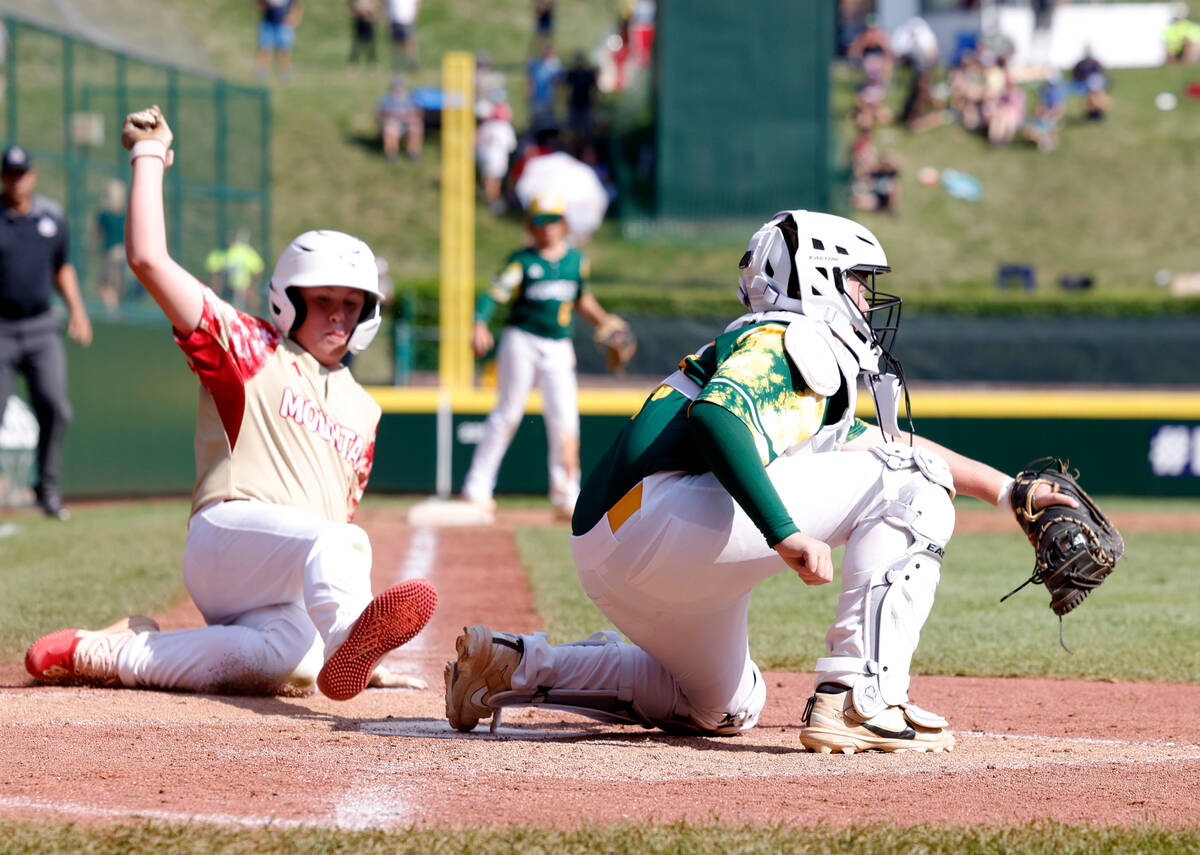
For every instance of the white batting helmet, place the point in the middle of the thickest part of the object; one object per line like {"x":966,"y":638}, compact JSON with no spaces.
{"x":319,"y":258}
{"x":797,"y":262}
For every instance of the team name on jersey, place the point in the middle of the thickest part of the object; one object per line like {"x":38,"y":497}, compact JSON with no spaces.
{"x":312,"y":418}
{"x":552,"y":289}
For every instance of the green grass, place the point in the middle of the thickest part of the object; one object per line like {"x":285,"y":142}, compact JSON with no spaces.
{"x":1050,"y":838}
{"x":1150,"y":605}
{"x":107,"y":562}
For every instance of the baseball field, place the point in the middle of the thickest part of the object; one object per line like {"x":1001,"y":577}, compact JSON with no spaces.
{"x":1095,"y":751}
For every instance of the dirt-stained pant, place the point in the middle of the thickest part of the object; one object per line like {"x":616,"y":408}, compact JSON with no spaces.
{"x":279,"y":589}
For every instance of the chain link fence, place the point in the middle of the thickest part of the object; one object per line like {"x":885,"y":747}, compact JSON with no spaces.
{"x":64,"y":99}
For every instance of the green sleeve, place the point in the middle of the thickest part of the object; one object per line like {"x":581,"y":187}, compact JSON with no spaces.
{"x":485,"y":307}
{"x":728,"y":448}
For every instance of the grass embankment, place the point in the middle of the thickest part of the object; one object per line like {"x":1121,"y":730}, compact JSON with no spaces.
{"x":1113,"y":201}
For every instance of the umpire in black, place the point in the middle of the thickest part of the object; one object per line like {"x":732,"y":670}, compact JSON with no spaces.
{"x":33,"y":262}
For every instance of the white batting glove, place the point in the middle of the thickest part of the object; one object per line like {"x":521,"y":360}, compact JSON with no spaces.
{"x":385,"y":678}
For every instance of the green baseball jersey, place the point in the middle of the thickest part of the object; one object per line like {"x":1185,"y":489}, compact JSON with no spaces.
{"x":543,"y":293}
{"x":746,"y":372}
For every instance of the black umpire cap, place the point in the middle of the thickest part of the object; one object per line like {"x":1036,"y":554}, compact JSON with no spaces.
{"x":16,"y":160}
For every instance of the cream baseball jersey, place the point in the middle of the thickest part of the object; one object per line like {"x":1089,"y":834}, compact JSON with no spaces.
{"x":273,"y":423}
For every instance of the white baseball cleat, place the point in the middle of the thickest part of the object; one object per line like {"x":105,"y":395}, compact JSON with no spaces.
{"x":484,"y":667}
{"x":833,"y":725}
{"x":84,"y":656}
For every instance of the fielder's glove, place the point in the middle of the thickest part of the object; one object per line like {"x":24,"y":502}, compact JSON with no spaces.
{"x":1076,"y":548}
{"x":148,"y":124}
{"x":615,"y":339}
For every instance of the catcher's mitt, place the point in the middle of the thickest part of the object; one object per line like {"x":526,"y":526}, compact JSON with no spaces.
{"x":615,"y":339}
{"x":1076,"y":548}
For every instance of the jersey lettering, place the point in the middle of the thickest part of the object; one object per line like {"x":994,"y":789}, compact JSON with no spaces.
{"x":311,"y":417}
{"x":551,"y":289}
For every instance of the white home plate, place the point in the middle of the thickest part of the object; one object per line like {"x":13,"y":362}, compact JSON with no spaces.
{"x":429,"y":728}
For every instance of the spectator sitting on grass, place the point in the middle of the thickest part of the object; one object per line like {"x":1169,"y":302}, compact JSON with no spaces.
{"x":1090,"y":80}
{"x":872,"y":50}
{"x":922,"y":109}
{"x":1042,"y":129}
{"x":399,"y":116}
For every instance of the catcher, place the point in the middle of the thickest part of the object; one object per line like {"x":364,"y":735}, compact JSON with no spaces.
{"x":745,"y":462}
{"x":546,"y":284}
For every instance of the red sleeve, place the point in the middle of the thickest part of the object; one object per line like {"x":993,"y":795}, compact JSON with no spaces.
{"x":225,"y":350}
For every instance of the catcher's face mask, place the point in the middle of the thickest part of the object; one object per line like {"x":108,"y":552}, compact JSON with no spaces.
{"x":881,"y":309}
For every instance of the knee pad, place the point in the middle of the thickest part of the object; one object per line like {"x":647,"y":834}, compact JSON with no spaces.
{"x":897,"y":600}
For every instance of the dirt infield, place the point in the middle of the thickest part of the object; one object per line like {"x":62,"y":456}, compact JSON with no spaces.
{"x":1027,"y":749}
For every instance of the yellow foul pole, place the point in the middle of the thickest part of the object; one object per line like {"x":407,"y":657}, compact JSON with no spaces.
{"x":455,"y":360}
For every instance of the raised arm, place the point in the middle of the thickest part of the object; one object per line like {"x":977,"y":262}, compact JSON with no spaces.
{"x":971,"y":477}
{"x":178,"y":293}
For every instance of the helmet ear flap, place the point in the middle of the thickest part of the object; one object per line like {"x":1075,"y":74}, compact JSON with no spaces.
{"x":299,"y":308}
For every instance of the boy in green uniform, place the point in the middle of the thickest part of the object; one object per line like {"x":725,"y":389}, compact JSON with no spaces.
{"x":545,"y":284}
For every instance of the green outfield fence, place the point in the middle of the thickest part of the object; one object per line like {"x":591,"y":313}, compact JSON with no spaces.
{"x":65,"y":98}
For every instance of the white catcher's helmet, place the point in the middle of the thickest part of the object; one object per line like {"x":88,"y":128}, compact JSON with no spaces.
{"x":319,"y":258}
{"x":798,"y":261}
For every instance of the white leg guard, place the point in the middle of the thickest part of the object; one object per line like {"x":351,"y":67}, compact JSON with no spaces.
{"x":890,"y":574}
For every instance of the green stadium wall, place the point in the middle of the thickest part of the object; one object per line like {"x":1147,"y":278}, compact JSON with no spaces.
{"x":135,"y":404}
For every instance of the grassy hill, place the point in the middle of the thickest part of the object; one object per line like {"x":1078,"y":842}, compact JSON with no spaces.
{"x":1114,"y":201}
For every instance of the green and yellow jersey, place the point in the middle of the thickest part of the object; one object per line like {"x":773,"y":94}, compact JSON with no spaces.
{"x":543,"y":293}
{"x":752,"y":406}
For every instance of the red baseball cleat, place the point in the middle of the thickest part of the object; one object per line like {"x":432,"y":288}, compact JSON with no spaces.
{"x":84,"y":656}
{"x":390,"y":620}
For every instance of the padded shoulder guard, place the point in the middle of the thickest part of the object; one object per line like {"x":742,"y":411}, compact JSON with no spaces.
{"x":812,"y":348}
{"x":1075,"y":548}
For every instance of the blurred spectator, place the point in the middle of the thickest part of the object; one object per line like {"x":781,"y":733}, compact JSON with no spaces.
{"x":922,"y":109}
{"x":543,"y":23}
{"x":542,"y":76}
{"x":870,"y":106}
{"x":362,"y":34}
{"x":110,"y":235}
{"x":489,"y":84}
{"x":590,"y":155}
{"x":495,"y":141}
{"x":875,"y":184}
{"x":916,"y":45}
{"x":1183,"y":40}
{"x":1006,"y":111}
{"x":1042,"y":129}
{"x":402,"y":18}
{"x":580,"y":81}
{"x":1090,"y":81}
{"x":872,"y":50}
{"x":399,"y":116}
{"x":277,"y":35}
{"x":235,"y":270}
{"x":967,"y":91}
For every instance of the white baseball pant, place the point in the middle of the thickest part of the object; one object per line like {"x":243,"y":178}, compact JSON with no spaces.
{"x":280,"y":590}
{"x":676,"y":576}
{"x":523,"y":359}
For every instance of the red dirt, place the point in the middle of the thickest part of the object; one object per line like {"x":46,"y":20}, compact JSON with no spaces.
{"x":1095,"y":752}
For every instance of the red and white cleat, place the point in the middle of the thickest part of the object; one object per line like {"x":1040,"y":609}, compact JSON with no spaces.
{"x":84,"y":656}
{"x":390,"y":620}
